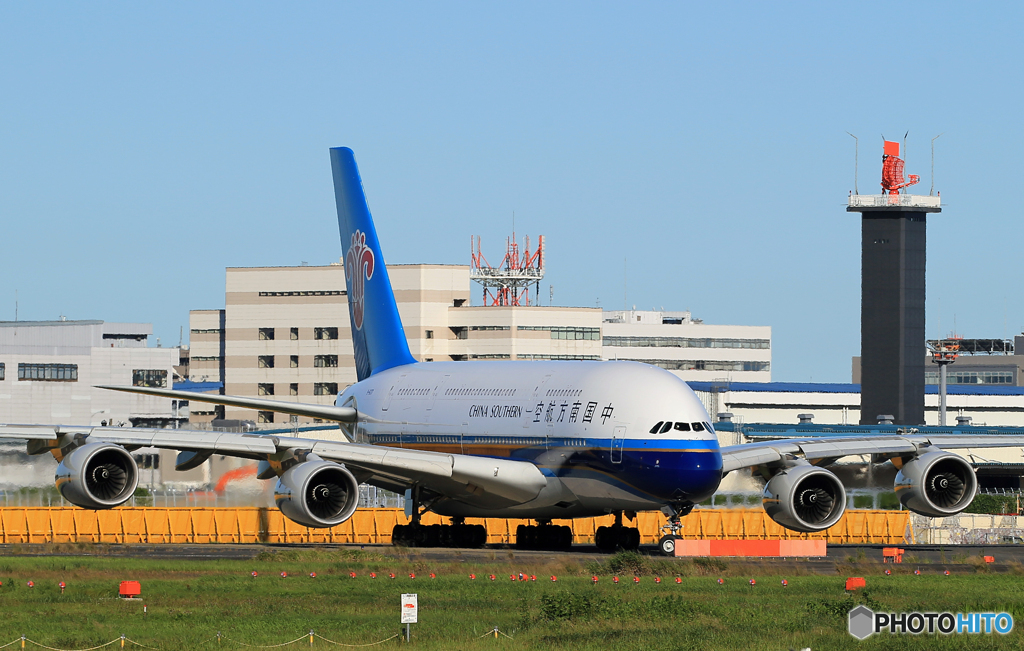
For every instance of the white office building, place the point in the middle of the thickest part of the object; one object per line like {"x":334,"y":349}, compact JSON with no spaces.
{"x":49,"y":371}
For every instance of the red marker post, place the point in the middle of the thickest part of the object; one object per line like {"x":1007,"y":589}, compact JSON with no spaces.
{"x":62,"y":586}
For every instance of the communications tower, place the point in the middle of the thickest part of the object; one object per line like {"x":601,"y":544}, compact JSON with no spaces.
{"x":892,"y":321}
{"x":508,"y":284}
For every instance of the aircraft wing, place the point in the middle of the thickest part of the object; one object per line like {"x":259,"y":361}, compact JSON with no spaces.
{"x":326,"y":412}
{"x":812,"y":449}
{"x":482,"y":481}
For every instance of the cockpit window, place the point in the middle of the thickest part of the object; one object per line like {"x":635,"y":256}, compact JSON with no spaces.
{"x":698,"y":427}
{"x":683,"y":427}
{"x":654,"y":430}
{"x":708,"y":427}
{"x":666,"y":427}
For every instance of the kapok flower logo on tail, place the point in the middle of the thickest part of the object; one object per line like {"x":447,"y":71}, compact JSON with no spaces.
{"x":358,"y":269}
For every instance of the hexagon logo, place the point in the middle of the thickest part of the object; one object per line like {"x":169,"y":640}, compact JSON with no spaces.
{"x":861,"y":622}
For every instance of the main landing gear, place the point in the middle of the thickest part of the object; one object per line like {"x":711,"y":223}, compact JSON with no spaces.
{"x":617,"y":536}
{"x":543,"y":536}
{"x":456,"y":534}
{"x":439,"y":535}
{"x":671,"y":529}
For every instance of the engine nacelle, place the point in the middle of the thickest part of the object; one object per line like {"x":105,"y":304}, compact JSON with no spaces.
{"x":97,"y":476}
{"x":317,"y":493}
{"x":936,"y":484}
{"x":804,"y":498}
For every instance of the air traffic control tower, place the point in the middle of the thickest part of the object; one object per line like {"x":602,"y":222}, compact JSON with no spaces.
{"x":892,"y":317}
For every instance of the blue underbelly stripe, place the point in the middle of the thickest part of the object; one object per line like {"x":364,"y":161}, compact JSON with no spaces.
{"x":527,"y":442}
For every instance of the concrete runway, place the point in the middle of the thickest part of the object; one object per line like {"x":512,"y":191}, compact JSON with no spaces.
{"x":928,"y":558}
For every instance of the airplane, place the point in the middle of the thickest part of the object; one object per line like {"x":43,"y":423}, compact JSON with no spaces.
{"x":536,"y":440}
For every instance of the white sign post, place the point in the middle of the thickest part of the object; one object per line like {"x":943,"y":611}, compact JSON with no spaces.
{"x":410,"y":612}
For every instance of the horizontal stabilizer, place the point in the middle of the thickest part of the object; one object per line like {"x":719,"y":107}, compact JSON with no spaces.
{"x":326,"y":412}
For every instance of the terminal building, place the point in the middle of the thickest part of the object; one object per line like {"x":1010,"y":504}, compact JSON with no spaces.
{"x":49,"y":371}
{"x":284,"y":332}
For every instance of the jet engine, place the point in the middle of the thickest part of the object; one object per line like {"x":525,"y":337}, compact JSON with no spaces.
{"x":97,"y":476}
{"x":804,"y":498}
{"x":317,"y":493}
{"x":936,"y":484}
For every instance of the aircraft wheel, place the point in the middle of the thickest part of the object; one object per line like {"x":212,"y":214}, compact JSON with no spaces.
{"x":667,"y":545}
{"x":632,"y":538}
{"x":565,"y":537}
{"x":521,"y":541}
{"x":479,"y":536}
{"x":398,"y":535}
{"x":601,"y":539}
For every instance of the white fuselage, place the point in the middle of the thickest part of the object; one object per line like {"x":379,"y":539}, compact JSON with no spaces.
{"x":586,"y":425}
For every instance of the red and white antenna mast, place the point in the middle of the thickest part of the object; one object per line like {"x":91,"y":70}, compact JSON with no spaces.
{"x":508,"y":284}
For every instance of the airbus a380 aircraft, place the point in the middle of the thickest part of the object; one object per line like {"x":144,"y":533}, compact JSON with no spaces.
{"x":532,"y":439}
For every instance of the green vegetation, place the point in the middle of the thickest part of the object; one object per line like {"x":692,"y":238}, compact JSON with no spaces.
{"x":993,"y":504}
{"x":189,"y":601}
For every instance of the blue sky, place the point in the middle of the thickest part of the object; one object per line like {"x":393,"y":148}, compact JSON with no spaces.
{"x":145,"y":147}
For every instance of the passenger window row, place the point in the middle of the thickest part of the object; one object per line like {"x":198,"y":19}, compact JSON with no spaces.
{"x":664,"y":426}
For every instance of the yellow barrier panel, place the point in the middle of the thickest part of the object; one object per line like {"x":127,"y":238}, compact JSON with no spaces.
{"x":373,"y":526}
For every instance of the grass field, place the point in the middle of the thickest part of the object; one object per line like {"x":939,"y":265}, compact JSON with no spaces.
{"x":189,"y":602}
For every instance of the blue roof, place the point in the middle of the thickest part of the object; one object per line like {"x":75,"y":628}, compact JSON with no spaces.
{"x":789,"y":430}
{"x":791,"y":387}
{"x":198,"y":387}
{"x":823,"y":387}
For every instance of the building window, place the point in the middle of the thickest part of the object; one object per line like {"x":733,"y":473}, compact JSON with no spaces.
{"x":430,"y":334}
{"x":970,"y":377}
{"x":265,"y":417}
{"x":460,"y":332}
{"x":147,"y":461}
{"x":149,"y":378}
{"x":48,"y":372}
{"x":568,"y":332}
{"x":325,"y":361}
{"x":294,"y":361}
{"x":561,"y":357}
{"x":687,"y":342}
{"x":325,"y":388}
{"x":205,"y":358}
{"x":206,"y":331}
{"x":307,"y":293}
{"x":265,"y":361}
{"x":702,"y":365}
{"x":294,"y":334}
{"x":496,"y":356}
{"x":266,"y":334}
{"x":325,"y":333}
{"x":3,"y":371}
{"x":293,"y":389}
{"x":265,"y":389}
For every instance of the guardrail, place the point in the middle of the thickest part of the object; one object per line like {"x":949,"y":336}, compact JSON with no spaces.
{"x":904,"y":200}
{"x":374,"y":526}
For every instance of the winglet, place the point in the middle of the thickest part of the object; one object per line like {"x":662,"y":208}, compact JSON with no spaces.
{"x":377,"y":335}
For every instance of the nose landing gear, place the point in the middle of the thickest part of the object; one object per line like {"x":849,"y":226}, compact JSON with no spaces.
{"x":670,"y":530}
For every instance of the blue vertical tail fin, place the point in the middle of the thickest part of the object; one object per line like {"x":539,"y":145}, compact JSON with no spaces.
{"x":377,"y":334}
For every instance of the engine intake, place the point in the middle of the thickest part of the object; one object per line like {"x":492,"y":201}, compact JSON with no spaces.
{"x":936,"y":484}
{"x":804,"y":498}
{"x":317,"y":493}
{"x":97,"y":476}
